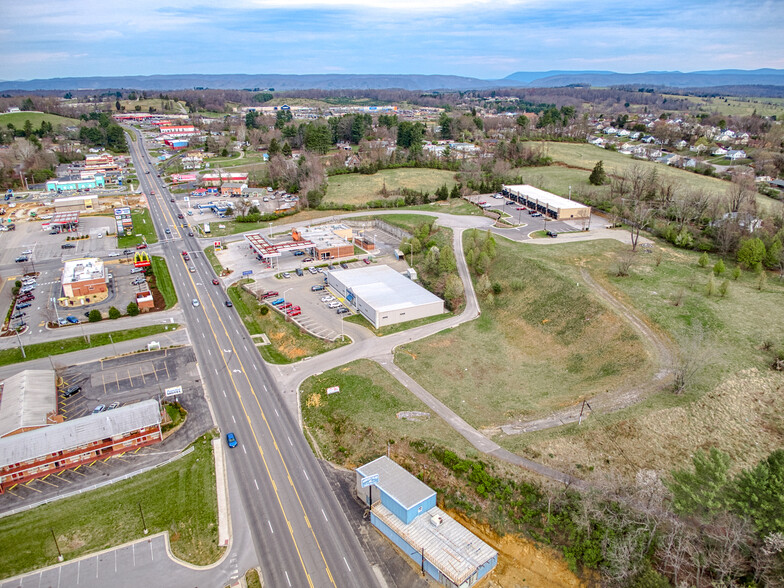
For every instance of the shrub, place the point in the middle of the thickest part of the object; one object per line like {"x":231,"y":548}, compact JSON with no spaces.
{"x":724,"y":288}
{"x":719,"y":268}
{"x":710,"y":287}
{"x":94,"y":316}
{"x":703,"y":261}
{"x":264,"y":310}
{"x":132,"y":309}
{"x":114,"y":313}
{"x":735,"y":273}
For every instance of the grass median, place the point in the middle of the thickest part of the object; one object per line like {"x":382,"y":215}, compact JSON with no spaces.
{"x":179,"y":497}
{"x":39,"y":350}
{"x":288,"y":342}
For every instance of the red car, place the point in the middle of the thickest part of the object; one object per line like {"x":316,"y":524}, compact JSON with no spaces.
{"x":215,"y":281}
{"x":293,"y":309}
{"x":269,"y":294}
{"x":142,"y":246}
{"x":295,"y":313}
{"x":184,"y":253}
{"x":285,"y":306}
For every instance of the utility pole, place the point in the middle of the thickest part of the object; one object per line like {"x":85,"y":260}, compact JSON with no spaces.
{"x":59,"y":553}
{"x":143,"y":523}
{"x":24,"y":356}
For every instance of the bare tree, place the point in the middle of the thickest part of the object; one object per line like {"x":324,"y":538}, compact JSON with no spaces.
{"x":695,"y":354}
{"x":639,"y":219}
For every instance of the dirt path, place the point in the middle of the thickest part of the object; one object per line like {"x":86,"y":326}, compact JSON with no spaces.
{"x":662,"y":355}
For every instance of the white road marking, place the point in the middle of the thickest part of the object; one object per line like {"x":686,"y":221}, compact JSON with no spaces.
{"x":244,"y":450}
{"x":78,"y":570}
{"x":349,"y":567}
{"x":287,"y":577}
{"x":325,"y":515}
{"x":255,"y":482}
{"x":276,"y":411}
{"x":255,"y":368}
{"x":265,"y":389}
{"x":290,"y":443}
{"x":152,"y":555}
{"x":306,"y":475}
{"x":235,"y":420}
{"x":224,"y":392}
{"x":210,"y":352}
{"x":270,"y":526}
{"x":216,"y":371}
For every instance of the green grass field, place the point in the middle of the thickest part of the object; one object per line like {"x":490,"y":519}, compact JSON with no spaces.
{"x":736,"y":106}
{"x":179,"y":497}
{"x":163,"y":280}
{"x":289,"y":343}
{"x":360,"y":188}
{"x":142,"y":225}
{"x":354,"y":425}
{"x":216,"y":265}
{"x":541,"y":344}
{"x":39,"y":350}
{"x":18,"y":119}
{"x":360,"y":320}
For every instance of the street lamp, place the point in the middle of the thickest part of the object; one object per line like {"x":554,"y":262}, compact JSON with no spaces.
{"x":285,"y":315}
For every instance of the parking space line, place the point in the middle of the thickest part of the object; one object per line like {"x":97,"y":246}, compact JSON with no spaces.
{"x":117,"y":378}
{"x":141,"y":371}
{"x":103,"y":381}
{"x":31,"y":488}
{"x":42,"y":480}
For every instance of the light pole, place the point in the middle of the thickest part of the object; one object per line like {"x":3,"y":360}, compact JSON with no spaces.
{"x":57,"y":316}
{"x":285,"y":314}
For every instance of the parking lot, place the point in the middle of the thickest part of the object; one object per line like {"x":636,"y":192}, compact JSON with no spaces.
{"x":124,"y":380}
{"x":29,"y":236}
{"x":524,"y":218}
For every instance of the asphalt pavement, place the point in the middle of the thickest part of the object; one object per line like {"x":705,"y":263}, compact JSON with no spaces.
{"x":300,"y":534}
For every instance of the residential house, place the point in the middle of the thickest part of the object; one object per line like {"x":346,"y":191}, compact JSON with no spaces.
{"x":736,"y":154}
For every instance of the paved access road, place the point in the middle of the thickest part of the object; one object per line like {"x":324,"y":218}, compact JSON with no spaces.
{"x":300,"y":534}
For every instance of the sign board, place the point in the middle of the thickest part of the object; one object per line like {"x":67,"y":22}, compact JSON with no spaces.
{"x":217,"y":245}
{"x":186,"y":199}
{"x":369,"y":480}
{"x":247,"y":272}
{"x":333,"y":390}
{"x":174,"y":391}
{"x":141,"y":259}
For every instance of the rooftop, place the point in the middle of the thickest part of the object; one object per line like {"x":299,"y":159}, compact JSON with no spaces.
{"x":546,"y":198}
{"x":34,"y":444}
{"x":397,"y":482}
{"x":454,"y":550}
{"x":79,"y":270}
{"x":27,"y":398}
{"x":385,"y":289}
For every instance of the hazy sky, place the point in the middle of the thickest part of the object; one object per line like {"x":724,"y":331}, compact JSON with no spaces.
{"x":485,"y":39}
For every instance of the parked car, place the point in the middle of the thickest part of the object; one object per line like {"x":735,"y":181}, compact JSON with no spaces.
{"x":137,"y":270}
{"x":317,"y":288}
{"x":344,"y":265}
{"x":72,"y":319}
{"x":21,"y":259}
{"x":138,"y":281}
{"x":327,"y":298}
{"x":293,"y":309}
{"x":25,"y":298}
{"x":342,"y":310}
{"x":299,"y":271}
{"x":27,"y":252}
{"x":67,"y":246}
{"x":552,"y":234}
{"x":312,"y":270}
{"x":113,"y":405}
{"x":269,"y":294}
{"x":231,"y":440}
{"x":278,"y":302}
{"x":286,"y":306}
{"x":307,"y":260}
{"x":286,"y":275}
{"x":23,"y":305}
{"x":366,"y":260}
{"x":99,"y":408}
{"x":294,"y":312}
{"x":334,"y":304}
{"x":18,"y":314}
{"x":298,"y":253}
{"x":71,"y":390}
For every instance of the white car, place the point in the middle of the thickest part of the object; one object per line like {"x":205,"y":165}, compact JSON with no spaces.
{"x":334,"y":304}
{"x":115,"y":254}
{"x":327,"y":298}
{"x":286,"y":275}
{"x":195,"y":302}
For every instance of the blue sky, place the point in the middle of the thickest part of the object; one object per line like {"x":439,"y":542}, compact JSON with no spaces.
{"x":485,"y":39}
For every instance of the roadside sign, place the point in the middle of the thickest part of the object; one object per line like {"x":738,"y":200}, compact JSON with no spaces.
{"x":369,"y":480}
{"x":174,"y":391}
{"x":247,"y":272}
{"x":333,"y":390}
{"x":141,"y":259}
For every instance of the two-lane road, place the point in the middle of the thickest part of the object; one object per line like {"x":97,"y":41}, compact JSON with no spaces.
{"x":300,"y":534}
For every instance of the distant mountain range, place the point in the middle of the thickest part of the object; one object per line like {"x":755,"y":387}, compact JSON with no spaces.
{"x":424,"y":83}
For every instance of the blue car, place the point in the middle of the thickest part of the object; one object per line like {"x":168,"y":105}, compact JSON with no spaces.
{"x":278,"y":302}
{"x":72,"y":319}
{"x":231,"y":440}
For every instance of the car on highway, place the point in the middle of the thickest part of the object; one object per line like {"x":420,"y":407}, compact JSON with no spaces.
{"x":215,"y":281}
{"x":195,"y":302}
{"x":520,"y":208}
{"x":191,"y":269}
{"x":72,"y":320}
{"x":127,"y":251}
{"x":115,"y":254}
{"x":172,"y":199}
{"x":180,"y":216}
{"x":27,"y":252}
{"x":231,"y":440}
{"x":228,"y":304}
{"x":190,"y":233}
{"x":99,"y":408}
{"x":167,"y":231}
{"x":142,"y":246}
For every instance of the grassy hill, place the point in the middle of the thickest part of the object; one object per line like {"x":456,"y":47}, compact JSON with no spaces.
{"x":361,"y":188}
{"x":18,"y":119}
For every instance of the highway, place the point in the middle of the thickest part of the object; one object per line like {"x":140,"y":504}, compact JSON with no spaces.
{"x":300,"y":534}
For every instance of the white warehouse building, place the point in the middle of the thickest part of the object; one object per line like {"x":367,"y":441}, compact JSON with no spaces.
{"x":383,"y":296}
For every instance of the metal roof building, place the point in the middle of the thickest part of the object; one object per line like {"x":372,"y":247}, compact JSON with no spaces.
{"x":383,"y":296}
{"x":555,"y":206}
{"x":28,"y":400}
{"x":405,"y":511}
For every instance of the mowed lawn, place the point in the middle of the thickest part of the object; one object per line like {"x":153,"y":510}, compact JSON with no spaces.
{"x":142,"y":225}
{"x":543,"y":343}
{"x":354,"y":425}
{"x":179,"y":497}
{"x":360,"y":188}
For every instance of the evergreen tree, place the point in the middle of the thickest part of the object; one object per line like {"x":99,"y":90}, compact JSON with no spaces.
{"x":286,"y":149}
{"x":598,"y":176}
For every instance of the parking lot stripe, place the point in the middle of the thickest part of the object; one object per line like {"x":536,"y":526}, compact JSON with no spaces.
{"x":31,"y":488}
{"x":103,"y":380}
{"x":141,"y":371}
{"x":12,"y":487}
{"x":48,"y":483}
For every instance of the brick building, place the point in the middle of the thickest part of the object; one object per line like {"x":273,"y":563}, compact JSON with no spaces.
{"x":83,"y":277}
